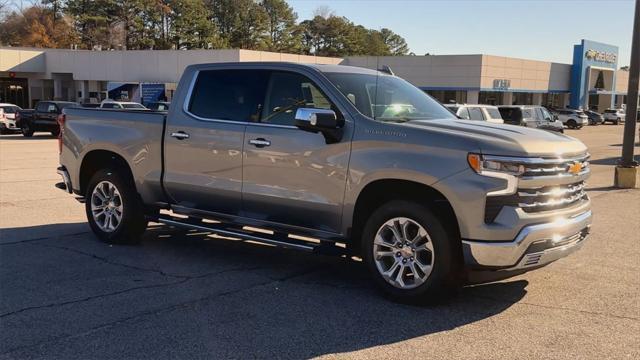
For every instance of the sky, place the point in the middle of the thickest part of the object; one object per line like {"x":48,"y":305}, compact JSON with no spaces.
{"x":531,"y":29}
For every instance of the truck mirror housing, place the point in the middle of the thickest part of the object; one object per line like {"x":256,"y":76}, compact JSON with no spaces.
{"x":320,"y":120}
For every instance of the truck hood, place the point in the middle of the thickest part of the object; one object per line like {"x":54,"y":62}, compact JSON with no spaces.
{"x":504,"y":139}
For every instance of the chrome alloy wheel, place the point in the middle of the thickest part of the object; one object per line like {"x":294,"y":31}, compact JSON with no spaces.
{"x":403,"y":253}
{"x":106,"y":206}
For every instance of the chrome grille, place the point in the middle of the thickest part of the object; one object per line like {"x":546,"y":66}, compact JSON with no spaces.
{"x":557,"y":167}
{"x":551,"y":197}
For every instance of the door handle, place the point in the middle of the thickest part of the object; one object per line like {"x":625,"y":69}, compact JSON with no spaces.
{"x":260,"y":142}
{"x":180,"y":135}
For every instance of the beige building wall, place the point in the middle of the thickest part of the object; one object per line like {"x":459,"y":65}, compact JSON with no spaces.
{"x":132,"y":65}
{"x":525,"y":75}
{"x":622,"y":81}
{"x":434,"y":71}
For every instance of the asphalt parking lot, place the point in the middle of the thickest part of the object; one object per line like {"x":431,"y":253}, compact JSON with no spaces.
{"x":65,"y":295}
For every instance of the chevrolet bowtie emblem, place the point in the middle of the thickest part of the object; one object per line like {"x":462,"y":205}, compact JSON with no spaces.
{"x":575,"y":168}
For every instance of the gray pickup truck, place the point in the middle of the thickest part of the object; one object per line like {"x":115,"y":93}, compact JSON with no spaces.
{"x":333,"y":158}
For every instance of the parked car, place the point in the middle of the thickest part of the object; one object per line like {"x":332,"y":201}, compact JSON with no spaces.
{"x":8,"y":118}
{"x":488,"y":113}
{"x":121,"y":105}
{"x":615,"y":116}
{"x":420,"y":195}
{"x":594,"y":117}
{"x":90,"y":105}
{"x":530,"y":116}
{"x":159,"y":106}
{"x":573,"y":119}
{"x":43,"y":117}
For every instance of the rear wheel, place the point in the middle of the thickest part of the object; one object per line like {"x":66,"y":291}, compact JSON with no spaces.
{"x":26,"y":129}
{"x":572,"y":124}
{"x":55,"y":132}
{"x":410,"y":253}
{"x":114,"y":210}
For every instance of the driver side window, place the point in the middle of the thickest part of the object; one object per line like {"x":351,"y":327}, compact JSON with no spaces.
{"x":286,"y":93}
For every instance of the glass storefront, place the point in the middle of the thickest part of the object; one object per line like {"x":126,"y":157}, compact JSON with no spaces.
{"x":449,"y":96}
{"x":491,"y":97}
{"x":14,"y":91}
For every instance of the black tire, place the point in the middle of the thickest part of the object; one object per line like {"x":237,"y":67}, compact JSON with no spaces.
{"x":571,"y":124}
{"x":55,"y":132}
{"x":617,"y":122}
{"x":444,"y":278}
{"x":134,"y":223}
{"x":26,"y":129}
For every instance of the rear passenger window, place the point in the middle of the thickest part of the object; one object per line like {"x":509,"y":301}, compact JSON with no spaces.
{"x":475,"y":113}
{"x":42,"y":107}
{"x":234,"y":95}
{"x":463,"y":113}
{"x":286,"y":93}
{"x":527,"y":114}
{"x":494,"y":113}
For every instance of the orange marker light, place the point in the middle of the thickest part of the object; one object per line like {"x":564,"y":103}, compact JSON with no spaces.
{"x":474,"y":162}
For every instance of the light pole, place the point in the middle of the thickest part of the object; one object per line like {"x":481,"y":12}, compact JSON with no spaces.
{"x":627,"y":170}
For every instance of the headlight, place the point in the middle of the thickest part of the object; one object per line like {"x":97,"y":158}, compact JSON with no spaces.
{"x":486,"y":166}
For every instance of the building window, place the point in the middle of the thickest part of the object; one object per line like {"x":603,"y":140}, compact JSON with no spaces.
{"x":491,"y":97}
{"x":449,"y":96}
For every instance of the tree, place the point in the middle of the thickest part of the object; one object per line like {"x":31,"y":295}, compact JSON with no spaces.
{"x":95,"y":21}
{"x":190,"y":27}
{"x":281,"y":26}
{"x":396,"y":43}
{"x":37,"y":27}
{"x":242,"y":23}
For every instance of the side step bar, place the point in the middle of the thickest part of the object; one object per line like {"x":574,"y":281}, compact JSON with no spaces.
{"x":276,"y":239}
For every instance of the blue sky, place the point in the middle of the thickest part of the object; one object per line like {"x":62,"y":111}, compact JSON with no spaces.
{"x":532,"y":29}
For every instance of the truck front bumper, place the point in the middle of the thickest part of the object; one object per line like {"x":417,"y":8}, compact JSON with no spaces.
{"x":536,"y":245}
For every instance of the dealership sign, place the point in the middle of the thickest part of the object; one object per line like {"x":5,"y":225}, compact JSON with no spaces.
{"x":601,"y":56}
{"x":501,"y":84}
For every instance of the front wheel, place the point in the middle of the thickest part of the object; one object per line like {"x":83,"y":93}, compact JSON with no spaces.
{"x":409,"y":253}
{"x":571,"y":124}
{"x":114,"y":210}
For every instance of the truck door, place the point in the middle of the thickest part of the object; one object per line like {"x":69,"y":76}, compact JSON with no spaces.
{"x":292,"y":176}
{"x":205,"y":136}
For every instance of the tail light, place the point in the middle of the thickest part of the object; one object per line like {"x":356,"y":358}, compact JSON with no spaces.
{"x":62,"y":118}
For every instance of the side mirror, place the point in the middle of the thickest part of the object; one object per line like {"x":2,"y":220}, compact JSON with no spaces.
{"x":320,"y":120}
{"x":316,"y":119}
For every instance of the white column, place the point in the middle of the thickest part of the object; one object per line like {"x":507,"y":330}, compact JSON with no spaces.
{"x":537,"y":99}
{"x":472,"y":97}
{"x":507,"y":98}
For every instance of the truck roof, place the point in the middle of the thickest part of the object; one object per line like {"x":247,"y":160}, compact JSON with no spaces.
{"x":325,"y":68}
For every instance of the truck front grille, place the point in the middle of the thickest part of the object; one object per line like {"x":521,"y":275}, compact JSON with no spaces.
{"x":550,"y":197}
{"x":543,"y":185}
{"x":537,"y":200}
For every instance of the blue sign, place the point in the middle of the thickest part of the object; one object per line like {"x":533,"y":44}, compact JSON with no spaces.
{"x":586,"y":55}
{"x":151,"y":92}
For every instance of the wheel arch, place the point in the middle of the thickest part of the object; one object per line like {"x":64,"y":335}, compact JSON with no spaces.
{"x":379,"y":191}
{"x":96,"y":160}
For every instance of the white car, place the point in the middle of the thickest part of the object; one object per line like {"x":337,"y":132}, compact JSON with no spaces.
{"x":8,"y":118}
{"x":573,"y":119}
{"x":487,"y":113}
{"x":616,"y":116}
{"x":122,"y":105}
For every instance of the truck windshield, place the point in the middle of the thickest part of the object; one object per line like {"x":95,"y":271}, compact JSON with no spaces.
{"x":388,"y":98}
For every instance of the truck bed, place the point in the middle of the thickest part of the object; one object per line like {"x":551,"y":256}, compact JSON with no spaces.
{"x":136,"y":136}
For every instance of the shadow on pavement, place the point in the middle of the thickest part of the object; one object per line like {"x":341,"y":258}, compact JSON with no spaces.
{"x":286,"y":303}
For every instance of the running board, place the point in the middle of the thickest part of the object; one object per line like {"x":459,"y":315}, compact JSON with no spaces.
{"x":276,"y":239}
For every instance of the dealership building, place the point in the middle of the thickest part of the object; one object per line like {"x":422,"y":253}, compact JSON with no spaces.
{"x":592,"y":81}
